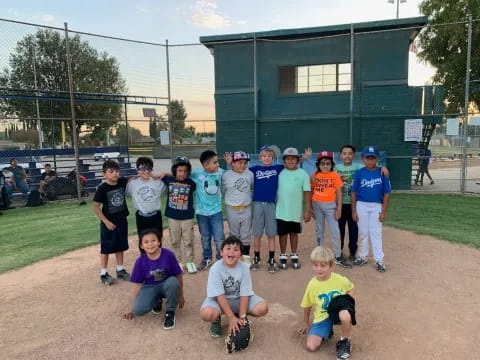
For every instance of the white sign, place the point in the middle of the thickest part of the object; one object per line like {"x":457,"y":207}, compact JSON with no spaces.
{"x":164,"y":137}
{"x":413,"y":130}
{"x":452,"y":127}
{"x":475,"y":120}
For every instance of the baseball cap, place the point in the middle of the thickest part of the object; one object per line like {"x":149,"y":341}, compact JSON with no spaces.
{"x":274,"y":148}
{"x":240,"y":155}
{"x":291,"y":151}
{"x":325,"y":154}
{"x":370,"y":150}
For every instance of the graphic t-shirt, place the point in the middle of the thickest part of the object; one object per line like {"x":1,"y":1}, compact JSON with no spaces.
{"x":232,"y":282}
{"x":180,"y":198}
{"x":320,"y":293}
{"x":325,"y":186}
{"x":265,"y":182}
{"x":146,"y":195}
{"x":291,"y":185}
{"x":153,"y":272}
{"x":112,"y":198}
{"x":237,"y":187}
{"x":208,"y":197}
{"x":346,"y":174}
{"x":370,"y":185}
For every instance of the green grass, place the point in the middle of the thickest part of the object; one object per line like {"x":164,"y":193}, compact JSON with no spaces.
{"x":28,"y":235}
{"x":455,"y":218}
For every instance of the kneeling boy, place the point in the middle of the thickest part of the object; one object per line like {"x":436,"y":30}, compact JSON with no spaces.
{"x":229,"y":291}
{"x":321,"y":289}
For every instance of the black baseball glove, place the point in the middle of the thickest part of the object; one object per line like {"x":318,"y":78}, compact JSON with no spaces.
{"x":240,"y":340}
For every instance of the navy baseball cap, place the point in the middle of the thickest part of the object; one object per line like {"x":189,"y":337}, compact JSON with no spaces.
{"x":370,"y":150}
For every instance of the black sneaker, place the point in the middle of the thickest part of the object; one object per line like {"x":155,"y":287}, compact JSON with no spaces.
{"x":295,"y":261}
{"x":106,"y":279}
{"x":283,"y":261}
{"x":352,"y":258}
{"x":169,"y":320}
{"x":272,"y":266}
{"x":123,"y":274}
{"x":343,"y":263}
{"x":216,"y":328}
{"x":256,"y":264}
{"x":158,"y":308}
{"x":343,"y":349}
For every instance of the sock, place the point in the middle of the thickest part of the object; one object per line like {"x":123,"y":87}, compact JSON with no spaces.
{"x":271,"y":255}
{"x":246,"y":250}
{"x":257,"y":254}
{"x":120,"y":267}
{"x":103,"y":271}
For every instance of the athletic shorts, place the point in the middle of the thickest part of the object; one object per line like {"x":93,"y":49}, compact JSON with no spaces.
{"x":234,"y":303}
{"x":115,"y":240}
{"x":322,"y":328}
{"x":149,"y":222}
{"x":287,"y":227}
{"x":264,"y":218}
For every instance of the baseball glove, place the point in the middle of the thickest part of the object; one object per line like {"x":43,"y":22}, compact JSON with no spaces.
{"x":240,"y":340}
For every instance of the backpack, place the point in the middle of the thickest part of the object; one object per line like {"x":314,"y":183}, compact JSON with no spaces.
{"x":34,"y":199}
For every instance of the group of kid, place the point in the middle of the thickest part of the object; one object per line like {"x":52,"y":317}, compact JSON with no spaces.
{"x":267,"y":198}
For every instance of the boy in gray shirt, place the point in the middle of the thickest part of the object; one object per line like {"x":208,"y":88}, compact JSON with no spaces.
{"x":237,"y":184}
{"x":146,"y":195}
{"x":229,"y":291}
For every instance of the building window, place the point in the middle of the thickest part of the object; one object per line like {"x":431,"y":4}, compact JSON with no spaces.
{"x":314,"y":78}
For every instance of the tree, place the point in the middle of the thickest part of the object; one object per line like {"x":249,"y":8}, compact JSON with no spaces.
{"x":445,"y":47}
{"x":133,"y":134}
{"x":177,"y":114}
{"x":43,"y":54}
{"x":157,"y":123}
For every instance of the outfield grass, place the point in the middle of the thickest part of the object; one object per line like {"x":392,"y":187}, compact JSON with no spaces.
{"x":28,"y":235}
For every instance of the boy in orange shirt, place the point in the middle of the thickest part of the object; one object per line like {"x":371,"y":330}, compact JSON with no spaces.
{"x":327,"y":203}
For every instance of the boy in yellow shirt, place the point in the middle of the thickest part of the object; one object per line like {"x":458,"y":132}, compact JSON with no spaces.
{"x":321,"y":289}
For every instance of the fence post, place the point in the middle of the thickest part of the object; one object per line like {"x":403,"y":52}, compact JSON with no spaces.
{"x":352,"y":59}
{"x":463,"y":174}
{"x":255,"y":98}
{"x":74,"y":122}
{"x":169,"y":102}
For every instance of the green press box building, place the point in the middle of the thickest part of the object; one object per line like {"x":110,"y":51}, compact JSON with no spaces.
{"x":321,"y":87}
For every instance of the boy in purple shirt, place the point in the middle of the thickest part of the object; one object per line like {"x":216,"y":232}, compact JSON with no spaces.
{"x":370,"y":194}
{"x":156,"y":275}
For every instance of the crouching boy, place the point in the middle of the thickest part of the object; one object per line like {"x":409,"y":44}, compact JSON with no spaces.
{"x":321,"y":289}
{"x":229,"y":291}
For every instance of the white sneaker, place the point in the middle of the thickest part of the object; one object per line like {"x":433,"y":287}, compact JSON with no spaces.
{"x":246,"y":259}
{"x":191,"y":268}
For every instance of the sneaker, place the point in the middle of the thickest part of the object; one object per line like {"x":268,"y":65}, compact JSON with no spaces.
{"x":343,"y":349}
{"x":191,"y":268}
{"x":360,"y":260}
{"x":123,"y":274}
{"x":169,"y":320}
{"x":343,"y":263}
{"x":158,"y":308}
{"x":256,"y":264}
{"x":432,"y":182}
{"x":380,"y":266}
{"x":283,"y":261}
{"x":272,"y":266}
{"x":205,"y":264}
{"x":295,"y":262}
{"x":246,"y":259}
{"x":106,"y":279}
{"x":216,"y":328}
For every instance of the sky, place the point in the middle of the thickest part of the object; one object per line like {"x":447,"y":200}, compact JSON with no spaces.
{"x":183,"y":21}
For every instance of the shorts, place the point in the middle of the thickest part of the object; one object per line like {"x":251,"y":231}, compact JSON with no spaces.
{"x":115,"y":240}
{"x":149,"y":222}
{"x":234,"y":303}
{"x":322,"y":329}
{"x":288,"y":227}
{"x":264,"y":218}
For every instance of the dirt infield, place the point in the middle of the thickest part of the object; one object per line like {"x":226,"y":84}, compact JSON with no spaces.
{"x":426,"y":305}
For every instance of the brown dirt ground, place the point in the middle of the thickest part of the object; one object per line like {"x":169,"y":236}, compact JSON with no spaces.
{"x":426,"y":304}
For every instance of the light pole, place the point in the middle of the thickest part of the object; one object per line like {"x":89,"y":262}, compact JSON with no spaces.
{"x":398,"y":4}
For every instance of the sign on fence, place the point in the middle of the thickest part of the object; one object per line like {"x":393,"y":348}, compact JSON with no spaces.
{"x":164,"y":137}
{"x":452,"y":127}
{"x":413,"y":130}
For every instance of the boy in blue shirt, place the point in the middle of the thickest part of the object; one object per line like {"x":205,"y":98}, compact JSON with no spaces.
{"x":370,"y":194}
{"x":208,"y":205}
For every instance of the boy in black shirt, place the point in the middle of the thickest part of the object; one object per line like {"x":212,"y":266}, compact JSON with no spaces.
{"x":113,"y":215}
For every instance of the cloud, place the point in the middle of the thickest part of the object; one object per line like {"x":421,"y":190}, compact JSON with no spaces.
{"x":47,"y":18}
{"x":206,"y":15}
{"x":140,"y":10}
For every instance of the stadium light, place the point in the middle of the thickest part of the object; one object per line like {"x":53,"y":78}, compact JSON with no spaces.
{"x":398,"y":4}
